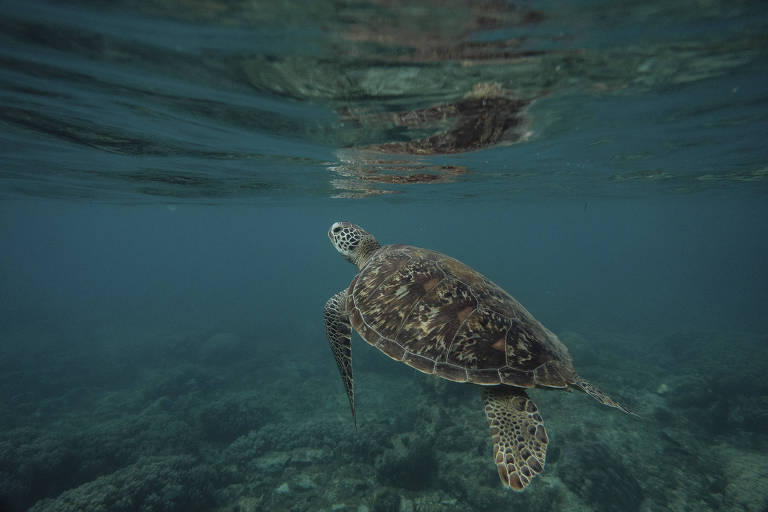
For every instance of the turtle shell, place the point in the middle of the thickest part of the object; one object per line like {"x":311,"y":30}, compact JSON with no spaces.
{"x":439,"y":316}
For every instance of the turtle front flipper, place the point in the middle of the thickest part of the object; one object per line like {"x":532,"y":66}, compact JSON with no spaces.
{"x":601,"y":397}
{"x":519,"y":438}
{"x":339,"y":332}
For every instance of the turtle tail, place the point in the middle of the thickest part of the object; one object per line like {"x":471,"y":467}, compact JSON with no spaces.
{"x":594,"y":392}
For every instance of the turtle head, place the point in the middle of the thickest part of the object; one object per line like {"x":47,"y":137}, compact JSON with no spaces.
{"x":353,"y":242}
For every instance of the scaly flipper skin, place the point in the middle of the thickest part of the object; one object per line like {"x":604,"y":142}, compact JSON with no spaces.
{"x":601,"y":397}
{"x":519,"y":438}
{"x":339,"y":333}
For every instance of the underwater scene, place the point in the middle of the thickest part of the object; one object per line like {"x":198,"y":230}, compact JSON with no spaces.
{"x":383,"y":255}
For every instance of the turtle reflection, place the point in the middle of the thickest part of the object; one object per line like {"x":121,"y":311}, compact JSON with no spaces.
{"x":357,"y":168}
{"x":486,"y":116}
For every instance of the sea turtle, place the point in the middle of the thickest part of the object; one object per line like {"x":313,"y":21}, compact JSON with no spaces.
{"x":441,"y":317}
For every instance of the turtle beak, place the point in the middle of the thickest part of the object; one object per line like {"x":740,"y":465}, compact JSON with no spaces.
{"x":335,"y":225}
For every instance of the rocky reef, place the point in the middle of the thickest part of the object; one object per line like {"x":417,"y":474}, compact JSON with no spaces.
{"x":226,"y":422}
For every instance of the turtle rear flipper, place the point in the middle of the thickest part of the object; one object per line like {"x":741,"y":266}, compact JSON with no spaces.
{"x":519,"y":438}
{"x":339,"y":332}
{"x":598,"y":395}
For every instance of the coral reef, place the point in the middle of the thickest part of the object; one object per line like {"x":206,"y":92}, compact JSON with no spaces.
{"x":193,"y":433}
{"x":149,"y":485}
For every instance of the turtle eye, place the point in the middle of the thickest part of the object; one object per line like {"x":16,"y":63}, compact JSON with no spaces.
{"x":336,"y":229}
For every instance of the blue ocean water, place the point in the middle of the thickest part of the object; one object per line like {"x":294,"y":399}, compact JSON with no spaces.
{"x":168,"y":175}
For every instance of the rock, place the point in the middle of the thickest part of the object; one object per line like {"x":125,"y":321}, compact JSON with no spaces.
{"x":153,"y":484}
{"x":271,"y":462}
{"x":228,"y":419}
{"x":304,"y":482}
{"x":410,"y":464}
{"x":386,"y":500}
{"x":602,"y":479}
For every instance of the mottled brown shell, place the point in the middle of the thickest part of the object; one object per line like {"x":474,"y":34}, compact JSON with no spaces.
{"x":439,"y":316}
